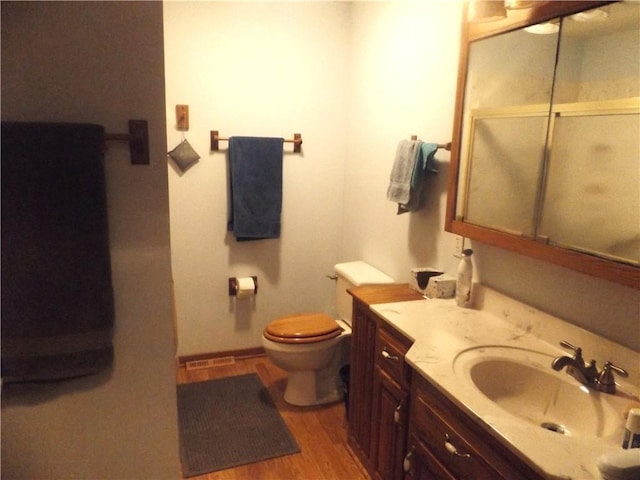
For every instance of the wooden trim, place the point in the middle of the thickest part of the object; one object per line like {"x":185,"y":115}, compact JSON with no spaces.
{"x":182,"y":118}
{"x":456,"y":142}
{"x":237,"y":354}
{"x":623,"y":274}
{"x":375,"y":294}
{"x":543,"y":11}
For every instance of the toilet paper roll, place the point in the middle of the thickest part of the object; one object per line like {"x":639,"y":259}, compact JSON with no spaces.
{"x":245,"y":287}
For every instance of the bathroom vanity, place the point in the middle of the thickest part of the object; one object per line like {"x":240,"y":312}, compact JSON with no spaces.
{"x":440,"y":391}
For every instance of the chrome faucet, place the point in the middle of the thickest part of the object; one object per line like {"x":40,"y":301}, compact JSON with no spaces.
{"x":576,"y":366}
{"x":588,"y":374}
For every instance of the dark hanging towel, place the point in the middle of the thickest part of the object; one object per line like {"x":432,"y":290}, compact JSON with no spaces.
{"x":255,"y":166}
{"x":57,"y":297}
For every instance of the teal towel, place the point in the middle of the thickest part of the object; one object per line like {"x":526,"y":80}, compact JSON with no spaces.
{"x":402,"y":171}
{"x":424,"y":165}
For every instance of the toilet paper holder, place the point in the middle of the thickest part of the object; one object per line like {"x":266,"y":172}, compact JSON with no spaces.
{"x":233,"y":286}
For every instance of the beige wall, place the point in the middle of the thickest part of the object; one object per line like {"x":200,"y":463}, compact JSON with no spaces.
{"x":405,"y":60}
{"x":102,"y":62}
{"x":260,"y":69}
{"x":354,"y":78}
{"x":393,"y":102}
{"x":397,"y":244}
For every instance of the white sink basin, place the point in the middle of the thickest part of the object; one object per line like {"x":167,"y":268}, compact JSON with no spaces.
{"x":522,"y":383}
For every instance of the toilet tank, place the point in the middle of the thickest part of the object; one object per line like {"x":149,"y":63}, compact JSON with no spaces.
{"x":355,"y":274}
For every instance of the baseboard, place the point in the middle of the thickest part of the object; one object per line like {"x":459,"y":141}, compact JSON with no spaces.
{"x":221,"y":358}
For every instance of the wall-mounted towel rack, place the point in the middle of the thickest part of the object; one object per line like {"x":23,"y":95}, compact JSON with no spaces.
{"x":446,"y":146}
{"x":138,"y":138}
{"x":296,"y":140}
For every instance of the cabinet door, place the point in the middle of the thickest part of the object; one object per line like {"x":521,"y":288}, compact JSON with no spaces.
{"x":389,"y":423}
{"x":363,"y":339}
{"x":420,"y":464}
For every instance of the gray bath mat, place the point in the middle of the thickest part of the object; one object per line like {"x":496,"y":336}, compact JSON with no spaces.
{"x":228,"y":422}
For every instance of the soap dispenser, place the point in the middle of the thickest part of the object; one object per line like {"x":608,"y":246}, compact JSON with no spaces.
{"x":464,"y":279}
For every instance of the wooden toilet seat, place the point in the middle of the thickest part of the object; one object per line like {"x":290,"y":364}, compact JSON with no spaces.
{"x":302,"y":328}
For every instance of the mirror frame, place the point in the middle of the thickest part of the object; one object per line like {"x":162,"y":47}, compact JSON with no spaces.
{"x":617,"y":272}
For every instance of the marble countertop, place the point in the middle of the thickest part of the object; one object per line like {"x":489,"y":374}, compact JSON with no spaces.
{"x":441,"y":331}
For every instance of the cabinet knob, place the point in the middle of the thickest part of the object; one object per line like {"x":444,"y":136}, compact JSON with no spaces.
{"x":451,"y":448}
{"x":388,"y":356}
{"x":406,"y":464}
{"x":396,"y":413}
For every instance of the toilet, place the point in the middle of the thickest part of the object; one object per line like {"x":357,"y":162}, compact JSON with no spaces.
{"x":312,"y":347}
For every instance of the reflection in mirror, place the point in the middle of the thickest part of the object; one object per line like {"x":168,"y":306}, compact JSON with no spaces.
{"x":592,"y":198}
{"x":599,"y":56}
{"x":511,"y":69}
{"x":593,"y":186}
{"x":507,"y":101}
{"x":507,"y":155}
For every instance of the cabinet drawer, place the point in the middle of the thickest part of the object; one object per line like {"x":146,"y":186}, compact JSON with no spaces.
{"x":391,"y":347}
{"x":420,"y":464}
{"x":449,"y":447}
{"x":457,"y":441}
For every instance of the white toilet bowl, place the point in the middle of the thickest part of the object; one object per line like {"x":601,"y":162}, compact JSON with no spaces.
{"x":312,"y":365}
{"x":313,"y":347}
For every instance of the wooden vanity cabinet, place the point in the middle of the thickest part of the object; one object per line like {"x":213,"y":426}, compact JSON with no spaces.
{"x":445,"y":443}
{"x":363,"y":353}
{"x":390,"y":409}
{"x":363,"y":339}
{"x":400,"y":425}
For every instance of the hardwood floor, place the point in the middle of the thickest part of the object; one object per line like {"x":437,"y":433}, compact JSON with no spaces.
{"x":321,"y":432}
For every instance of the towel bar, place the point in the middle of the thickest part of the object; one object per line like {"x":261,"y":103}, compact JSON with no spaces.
{"x":138,"y":138}
{"x":446,"y":146}
{"x":296,"y":140}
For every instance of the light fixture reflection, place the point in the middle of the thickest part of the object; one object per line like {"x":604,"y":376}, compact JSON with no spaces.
{"x":486,"y":10}
{"x":518,"y":4}
{"x":590,"y":15}
{"x":546,"y":28}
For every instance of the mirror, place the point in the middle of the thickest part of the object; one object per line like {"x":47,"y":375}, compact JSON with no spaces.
{"x":546,"y":153}
{"x":506,"y":113}
{"x":592,"y":192}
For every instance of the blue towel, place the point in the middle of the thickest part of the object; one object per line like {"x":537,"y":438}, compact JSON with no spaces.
{"x":57,"y":295}
{"x":255,"y":167}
